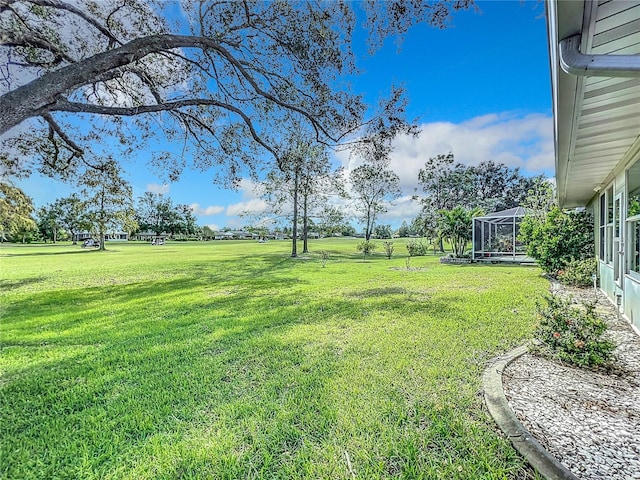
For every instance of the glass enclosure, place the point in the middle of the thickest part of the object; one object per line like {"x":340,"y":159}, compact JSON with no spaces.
{"x":495,"y":236}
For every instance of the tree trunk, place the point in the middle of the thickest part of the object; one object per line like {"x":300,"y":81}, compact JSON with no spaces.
{"x":305,"y":226}
{"x":294,"y":235}
{"x":367,"y":232}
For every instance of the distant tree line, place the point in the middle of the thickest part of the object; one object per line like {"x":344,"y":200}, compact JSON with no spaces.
{"x":453,"y":193}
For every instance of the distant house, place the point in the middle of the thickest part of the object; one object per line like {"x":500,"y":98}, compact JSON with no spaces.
{"x":223,"y":236}
{"x":110,"y":236}
{"x":117,"y":236}
{"x":595,"y":71}
{"x":82,"y":236}
{"x":149,"y":236}
{"x":242,"y":235}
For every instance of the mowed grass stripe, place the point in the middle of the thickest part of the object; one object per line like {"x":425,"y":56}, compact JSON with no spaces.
{"x":232,"y":360}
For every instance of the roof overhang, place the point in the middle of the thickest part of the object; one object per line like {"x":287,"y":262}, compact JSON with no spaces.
{"x":596,"y":109}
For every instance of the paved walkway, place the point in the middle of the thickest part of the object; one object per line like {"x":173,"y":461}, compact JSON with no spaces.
{"x":588,"y":421}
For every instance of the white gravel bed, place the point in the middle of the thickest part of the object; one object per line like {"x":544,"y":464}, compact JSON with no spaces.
{"x":589,"y":421}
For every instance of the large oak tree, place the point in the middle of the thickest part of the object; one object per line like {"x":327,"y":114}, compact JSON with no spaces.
{"x":220,"y":78}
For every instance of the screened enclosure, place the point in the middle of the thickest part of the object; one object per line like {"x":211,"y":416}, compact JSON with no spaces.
{"x":495,"y":236}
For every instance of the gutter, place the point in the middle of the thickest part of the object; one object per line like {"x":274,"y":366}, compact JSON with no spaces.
{"x":576,"y":63}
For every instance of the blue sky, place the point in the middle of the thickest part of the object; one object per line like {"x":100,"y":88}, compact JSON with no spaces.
{"x":480,"y":89}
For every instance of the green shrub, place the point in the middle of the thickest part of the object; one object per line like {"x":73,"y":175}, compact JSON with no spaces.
{"x":324,"y":257}
{"x":417,"y":248}
{"x":572,"y":333}
{"x":366,"y":247}
{"x":579,"y":273}
{"x":388,"y":249}
{"x":559,"y":238}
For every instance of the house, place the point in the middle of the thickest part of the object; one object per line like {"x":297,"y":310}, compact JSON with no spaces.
{"x":223,"y":236}
{"x":149,"y":236}
{"x":109,"y":236}
{"x":594,"y":50}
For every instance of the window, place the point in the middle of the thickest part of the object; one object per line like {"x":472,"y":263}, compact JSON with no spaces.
{"x":602,"y":225}
{"x":633,"y":218}
{"x":609,"y":226}
{"x":617,"y":218}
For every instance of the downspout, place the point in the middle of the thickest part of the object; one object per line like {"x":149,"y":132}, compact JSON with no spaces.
{"x":576,"y":63}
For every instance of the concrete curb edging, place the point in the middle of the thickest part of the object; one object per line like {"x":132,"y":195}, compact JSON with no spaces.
{"x":496,"y":401}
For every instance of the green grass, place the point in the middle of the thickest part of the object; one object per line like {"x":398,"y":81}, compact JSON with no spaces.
{"x":230,"y":360}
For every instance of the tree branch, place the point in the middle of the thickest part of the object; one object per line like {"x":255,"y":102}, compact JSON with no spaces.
{"x":63,"y":105}
{"x":43,"y":94}
{"x":27,"y":40}
{"x":71,"y":9}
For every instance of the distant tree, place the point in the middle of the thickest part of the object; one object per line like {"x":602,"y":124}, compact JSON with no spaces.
{"x":187,"y":221}
{"x":302,"y":182}
{"x":109,"y":198}
{"x":404,"y":230}
{"x":489,"y":186}
{"x":426,"y":226}
{"x":540,"y":199}
{"x":331,"y":220}
{"x":374,"y":189}
{"x":207,"y":233}
{"x":25,"y":233}
{"x":348,"y":231}
{"x":388,"y":248}
{"x":497,"y":187}
{"x":383,"y":231}
{"x":158,"y":214}
{"x":456,"y":226}
{"x":48,"y":221}
{"x":16,"y":210}
{"x":445,"y":185}
{"x":72,"y":215}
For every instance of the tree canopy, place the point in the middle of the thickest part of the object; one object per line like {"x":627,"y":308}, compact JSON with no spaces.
{"x":221,"y":78}
{"x":374,"y":188}
{"x":16,"y":209}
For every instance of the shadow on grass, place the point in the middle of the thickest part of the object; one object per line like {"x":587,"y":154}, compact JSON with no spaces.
{"x":7,"y":285}
{"x":43,"y":254}
{"x":205,"y":373}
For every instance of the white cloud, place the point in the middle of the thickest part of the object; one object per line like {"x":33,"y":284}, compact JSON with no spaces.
{"x":213,"y":226}
{"x":404,"y":208}
{"x":255,"y":206}
{"x":158,"y":189}
{"x":251,"y":204}
{"x":524,"y":141}
{"x":211,"y":210}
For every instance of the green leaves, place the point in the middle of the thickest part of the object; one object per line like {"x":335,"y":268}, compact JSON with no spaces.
{"x":572,"y":333}
{"x":558,"y":238}
{"x":456,"y":225}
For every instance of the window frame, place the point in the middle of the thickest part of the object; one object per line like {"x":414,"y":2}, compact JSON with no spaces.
{"x":632,"y":223}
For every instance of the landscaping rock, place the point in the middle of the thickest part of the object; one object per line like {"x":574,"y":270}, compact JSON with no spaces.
{"x":588,"y":420}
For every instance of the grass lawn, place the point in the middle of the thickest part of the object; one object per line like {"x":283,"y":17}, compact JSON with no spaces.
{"x":230,"y":360}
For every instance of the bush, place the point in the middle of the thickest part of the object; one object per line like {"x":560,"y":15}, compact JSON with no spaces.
{"x":366,"y":247}
{"x":558,"y":239}
{"x":388,"y":249}
{"x":572,"y":333}
{"x":417,"y":248}
{"x":579,"y":273}
{"x":324,"y":257}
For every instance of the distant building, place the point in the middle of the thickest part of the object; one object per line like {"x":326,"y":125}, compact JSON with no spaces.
{"x":110,"y":236}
